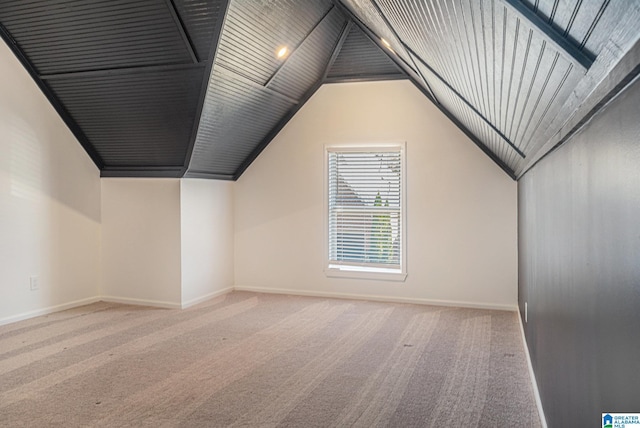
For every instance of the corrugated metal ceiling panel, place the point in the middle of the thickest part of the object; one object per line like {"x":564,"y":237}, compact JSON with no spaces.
{"x":511,"y":71}
{"x":237,"y":115}
{"x":255,"y":31}
{"x":470,"y":119}
{"x":199,"y":17}
{"x":61,"y":36}
{"x":244,"y":103}
{"x":503,"y":66}
{"x":360,"y":57}
{"x":366,"y":11}
{"x":141,"y":119}
{"x":307,"y":64}
{"x":585,"y":23}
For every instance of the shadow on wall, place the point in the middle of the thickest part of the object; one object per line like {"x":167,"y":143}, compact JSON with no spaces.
{"x":36,"y":168}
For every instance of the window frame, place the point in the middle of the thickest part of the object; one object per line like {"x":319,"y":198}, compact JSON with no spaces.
{"x":357,"y":270}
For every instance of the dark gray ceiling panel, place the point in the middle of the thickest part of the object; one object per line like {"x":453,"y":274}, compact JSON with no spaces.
{"x":367,"y":12}
{"x":138,"y":119}
{"x":360,"y":58}
{"x":199,"y":18}
{"x":255,"y":30}
{"x":136,"y":82}
{"x":237,"y":115}
{"x":306,"y":65}
{"x":60,"y":36}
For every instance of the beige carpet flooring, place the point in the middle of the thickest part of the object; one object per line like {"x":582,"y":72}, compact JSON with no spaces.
{"x":260,"y":360}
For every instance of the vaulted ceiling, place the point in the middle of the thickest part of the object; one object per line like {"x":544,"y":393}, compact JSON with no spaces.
{"x":197,"y":88}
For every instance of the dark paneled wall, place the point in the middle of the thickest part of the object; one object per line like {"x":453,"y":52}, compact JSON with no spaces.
{"x":579,"y":260}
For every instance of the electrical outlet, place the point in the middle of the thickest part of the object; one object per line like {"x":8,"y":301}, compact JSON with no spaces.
{"x":34,"y":283}
{"x":526,"y":310}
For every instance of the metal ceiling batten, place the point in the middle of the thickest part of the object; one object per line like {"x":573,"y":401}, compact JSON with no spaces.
{"x":617,"y":63}
{"x":123,"y":74}
{"x":202,"y":21}
{"x":403,"y":64}
{"x":359,"y":58}
{"x":249,"y":85}
{"x":464,"y":101}
{"x":216,"y":35}
{"x":59,"y":36}
{"x":253,"y":31}
{"x":274,"y":132}
{"x":180,"y":27}
{"x":194,"y":88}
{"x":306,"y":65}
{"x":501,"y":66}
{"x":574,"y":53}
{"x":368,"y":16}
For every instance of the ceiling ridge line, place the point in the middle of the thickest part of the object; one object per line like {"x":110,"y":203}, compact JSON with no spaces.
{"x":118,"y":71}
{"x":500,"y":133}
{"x":336,"y":50}
{"x":397,"y":36}
{"x":295,"y":49}
{"x":204,"y":86}
{"x":236,"y":75}
{"x":475,"y":139}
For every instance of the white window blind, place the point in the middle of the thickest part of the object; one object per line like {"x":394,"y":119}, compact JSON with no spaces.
{"x":365,"y":208}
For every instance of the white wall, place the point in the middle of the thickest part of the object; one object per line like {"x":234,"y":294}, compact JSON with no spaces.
{"x":461,"y":218}
{"x":207,"y":238}
{"x":49,"y":203}
{"x":141,"y":241}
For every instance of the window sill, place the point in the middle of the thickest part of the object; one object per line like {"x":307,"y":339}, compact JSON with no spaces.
{"x":365,"y":273}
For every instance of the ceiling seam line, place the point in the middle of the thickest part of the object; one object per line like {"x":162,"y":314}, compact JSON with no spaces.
{"x":397,"y":36}
{"x":336,"y":50}
{"x":426,"y":82}
{"x":467,"y":103}
{"x":365,"y":78}
{"x":399,"y":61}
{"x":294,"y":50}
{"x":204,"y":86}
{"x":118,"y":71}
{"x":182,"y":30}
{"x":469,"y":134}
{"x":291,"y":113}
{"x":235,"y":75}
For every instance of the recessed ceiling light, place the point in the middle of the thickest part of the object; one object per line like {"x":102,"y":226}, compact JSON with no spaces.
{"x":384,"y":42}
{"x":282,"y":52}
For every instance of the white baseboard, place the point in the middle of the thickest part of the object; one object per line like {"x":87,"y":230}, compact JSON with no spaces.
{"x":536,"y":391}
{"x":192,"y":302}
{"x":418,"y":301}
{"x":140,"y":302}
{"x":206,"y":297}
{"x":48,"y":310}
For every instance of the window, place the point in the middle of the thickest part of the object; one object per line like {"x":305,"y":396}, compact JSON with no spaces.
{"x":365,"y":211}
